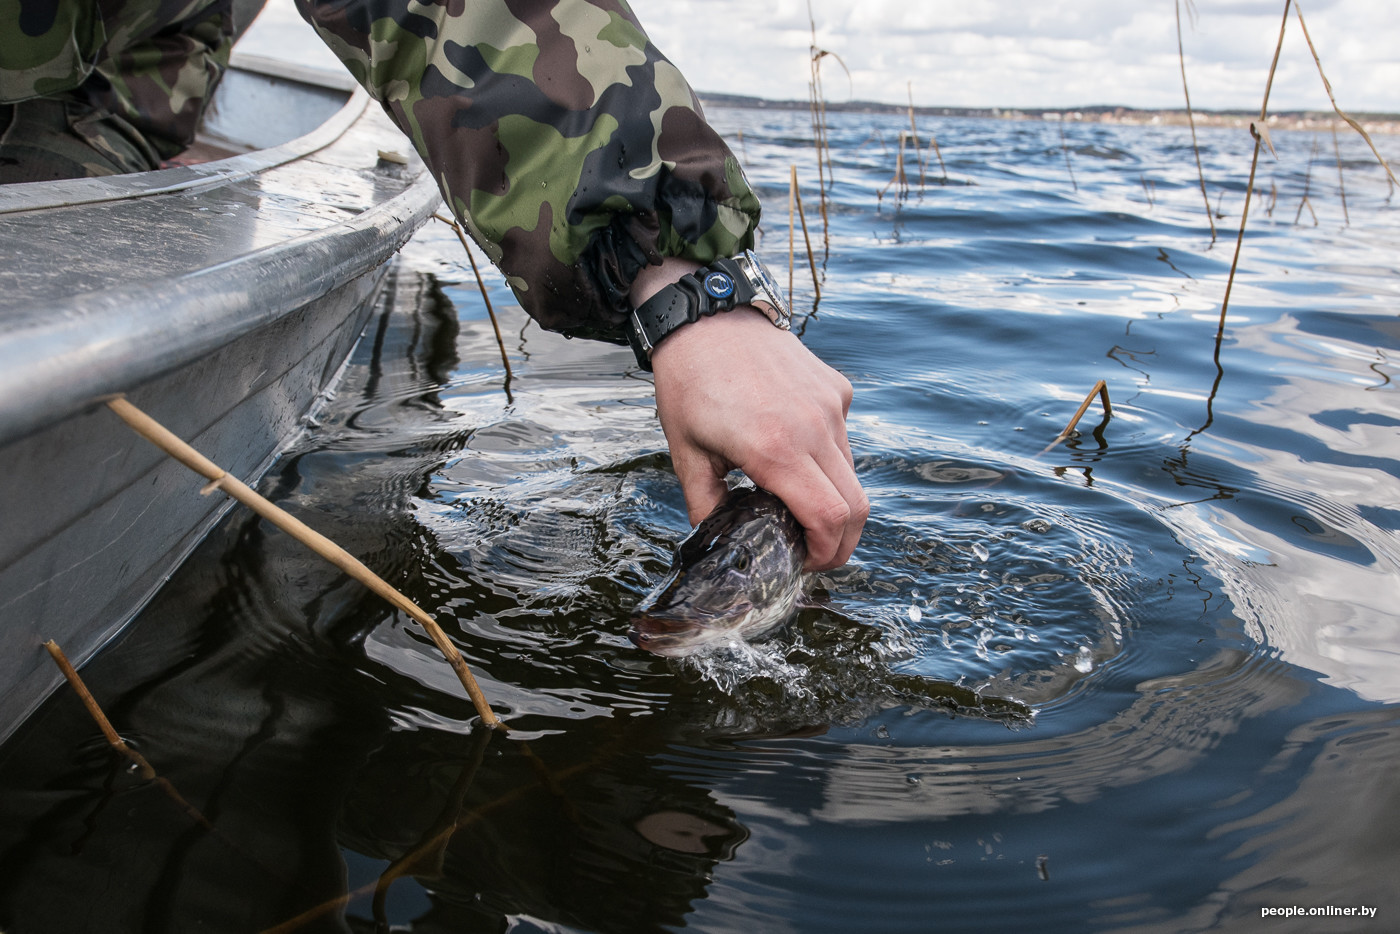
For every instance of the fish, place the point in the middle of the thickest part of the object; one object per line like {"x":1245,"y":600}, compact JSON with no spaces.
{"x":737,"y":575}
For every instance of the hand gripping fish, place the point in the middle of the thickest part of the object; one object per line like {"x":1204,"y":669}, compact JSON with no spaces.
{"x":738,"y":575}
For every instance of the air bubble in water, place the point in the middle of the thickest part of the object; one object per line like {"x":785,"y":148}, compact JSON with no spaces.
{"x":982,"y":639}
{"x":1084,"y":661}
{"x":980,"y":550}
{"x":915,"y":614}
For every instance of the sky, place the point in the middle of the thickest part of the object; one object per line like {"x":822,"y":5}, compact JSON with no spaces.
{"x":1025,"y":53}
{"x":1037,"y":53}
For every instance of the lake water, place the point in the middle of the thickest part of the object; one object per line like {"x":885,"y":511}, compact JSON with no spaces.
{"x":1194,"y":600}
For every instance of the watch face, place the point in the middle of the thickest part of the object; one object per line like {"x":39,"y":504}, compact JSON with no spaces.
{"x":763,"y":281}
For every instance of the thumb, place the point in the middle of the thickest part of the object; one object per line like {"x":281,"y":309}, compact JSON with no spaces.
{"x":702,"y":482}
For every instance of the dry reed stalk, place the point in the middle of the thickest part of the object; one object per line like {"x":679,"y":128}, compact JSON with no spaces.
{"x":116,"y":742}
{"x":1150,"y":189}
{"x":427,"y":858}
{"x":933,"y":144}
{"x":1253,"y":167}
{"x":1064,"y":148}
{"x":1333,"y":98}
{"x":440,"y":839}
{"x":1306,"y":204}
{"x":481,"y":285}
{"x":167,"y":441}
{"x":899,"y":166}
{"x":1101,"y":390}
{"x":95,"y":711}
{"x":806,"y":239}
{"x":899,"y":177}
{"x":825,"y":171}
{"x":1341,"y":182}
{"x":914,"y":132}
{"x":1307,"y":187}
{"x":1190,"y":116}
{"x":818,"y":105}
{"x":818,"y":113}
{"x":792,"y":228}
{"x":819,"y":136}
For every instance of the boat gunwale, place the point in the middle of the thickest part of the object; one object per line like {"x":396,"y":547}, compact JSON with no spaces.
{"x":91,"y":345}
{"x":98,"y":343}
{"x":38,"y":196}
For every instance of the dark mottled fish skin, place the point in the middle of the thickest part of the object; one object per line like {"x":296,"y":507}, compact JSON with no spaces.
{"x":738,"y":575}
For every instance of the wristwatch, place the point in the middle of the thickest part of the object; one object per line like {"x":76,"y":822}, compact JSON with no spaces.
{"x":720,"y":286}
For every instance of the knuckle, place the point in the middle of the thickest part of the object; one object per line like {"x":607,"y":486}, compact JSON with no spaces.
{"x":844,"y":389}
{"x":861,"y":512}
{"x":834,"y":515}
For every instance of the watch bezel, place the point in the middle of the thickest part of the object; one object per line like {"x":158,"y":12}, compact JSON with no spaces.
{"x":765,"y":287}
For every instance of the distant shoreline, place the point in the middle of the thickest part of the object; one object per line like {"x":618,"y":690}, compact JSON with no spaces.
{"x":1314,"y":120}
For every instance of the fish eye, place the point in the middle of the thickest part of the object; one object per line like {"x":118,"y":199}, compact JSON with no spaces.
{"x":741,"y":561}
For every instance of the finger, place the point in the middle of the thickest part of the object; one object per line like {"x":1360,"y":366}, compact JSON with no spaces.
{"x":847,"y":392}
{"x":817,"y":505}
{"x":844,"y":477}
{"x":702,"y":482}
{"x":839,"y":469}
{"x":843,"y":444}
{"x":836,"y":427}
{"x":825,"y":517}
{"x":846,"y":533}
{"x":836,"y":463}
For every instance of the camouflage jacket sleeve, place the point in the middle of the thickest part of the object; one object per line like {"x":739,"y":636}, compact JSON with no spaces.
{"x":573,"y":151}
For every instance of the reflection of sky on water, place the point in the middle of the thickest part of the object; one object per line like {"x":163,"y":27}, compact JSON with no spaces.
{"x":1319,"y":582}
{"x":1300,"y":528}
{"x":1162,"y":588}
{"x":1172,"y":554}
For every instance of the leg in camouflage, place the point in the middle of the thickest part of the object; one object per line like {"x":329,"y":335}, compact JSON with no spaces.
{"x":52,"y":138}
{"x":119,"y":96}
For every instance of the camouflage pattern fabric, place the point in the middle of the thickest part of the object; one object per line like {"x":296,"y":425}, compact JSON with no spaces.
{"x":131,"y":78}
{"x":46,"y":139}
{"x":573,"y":151}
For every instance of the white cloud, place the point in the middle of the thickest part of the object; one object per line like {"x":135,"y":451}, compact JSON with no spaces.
{"x":1052,"y":53}
{"x":1012,"y":53}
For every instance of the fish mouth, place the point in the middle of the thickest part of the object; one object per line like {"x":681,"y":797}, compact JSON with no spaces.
{"x":671,"y":637}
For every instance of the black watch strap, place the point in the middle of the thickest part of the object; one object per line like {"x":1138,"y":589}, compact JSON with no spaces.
{"x":717,"y":287}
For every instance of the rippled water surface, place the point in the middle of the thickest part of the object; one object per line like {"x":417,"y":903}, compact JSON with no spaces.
{"x":1145,"y":679}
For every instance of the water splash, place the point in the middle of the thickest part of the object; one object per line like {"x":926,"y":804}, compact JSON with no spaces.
{"x":828,"y":669}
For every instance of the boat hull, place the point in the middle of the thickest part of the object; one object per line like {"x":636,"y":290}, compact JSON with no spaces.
{"x":223,"y":302}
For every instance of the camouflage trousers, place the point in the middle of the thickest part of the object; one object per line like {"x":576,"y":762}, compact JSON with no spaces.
{"x":102,"y":87}
{"x":50,"y":138}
